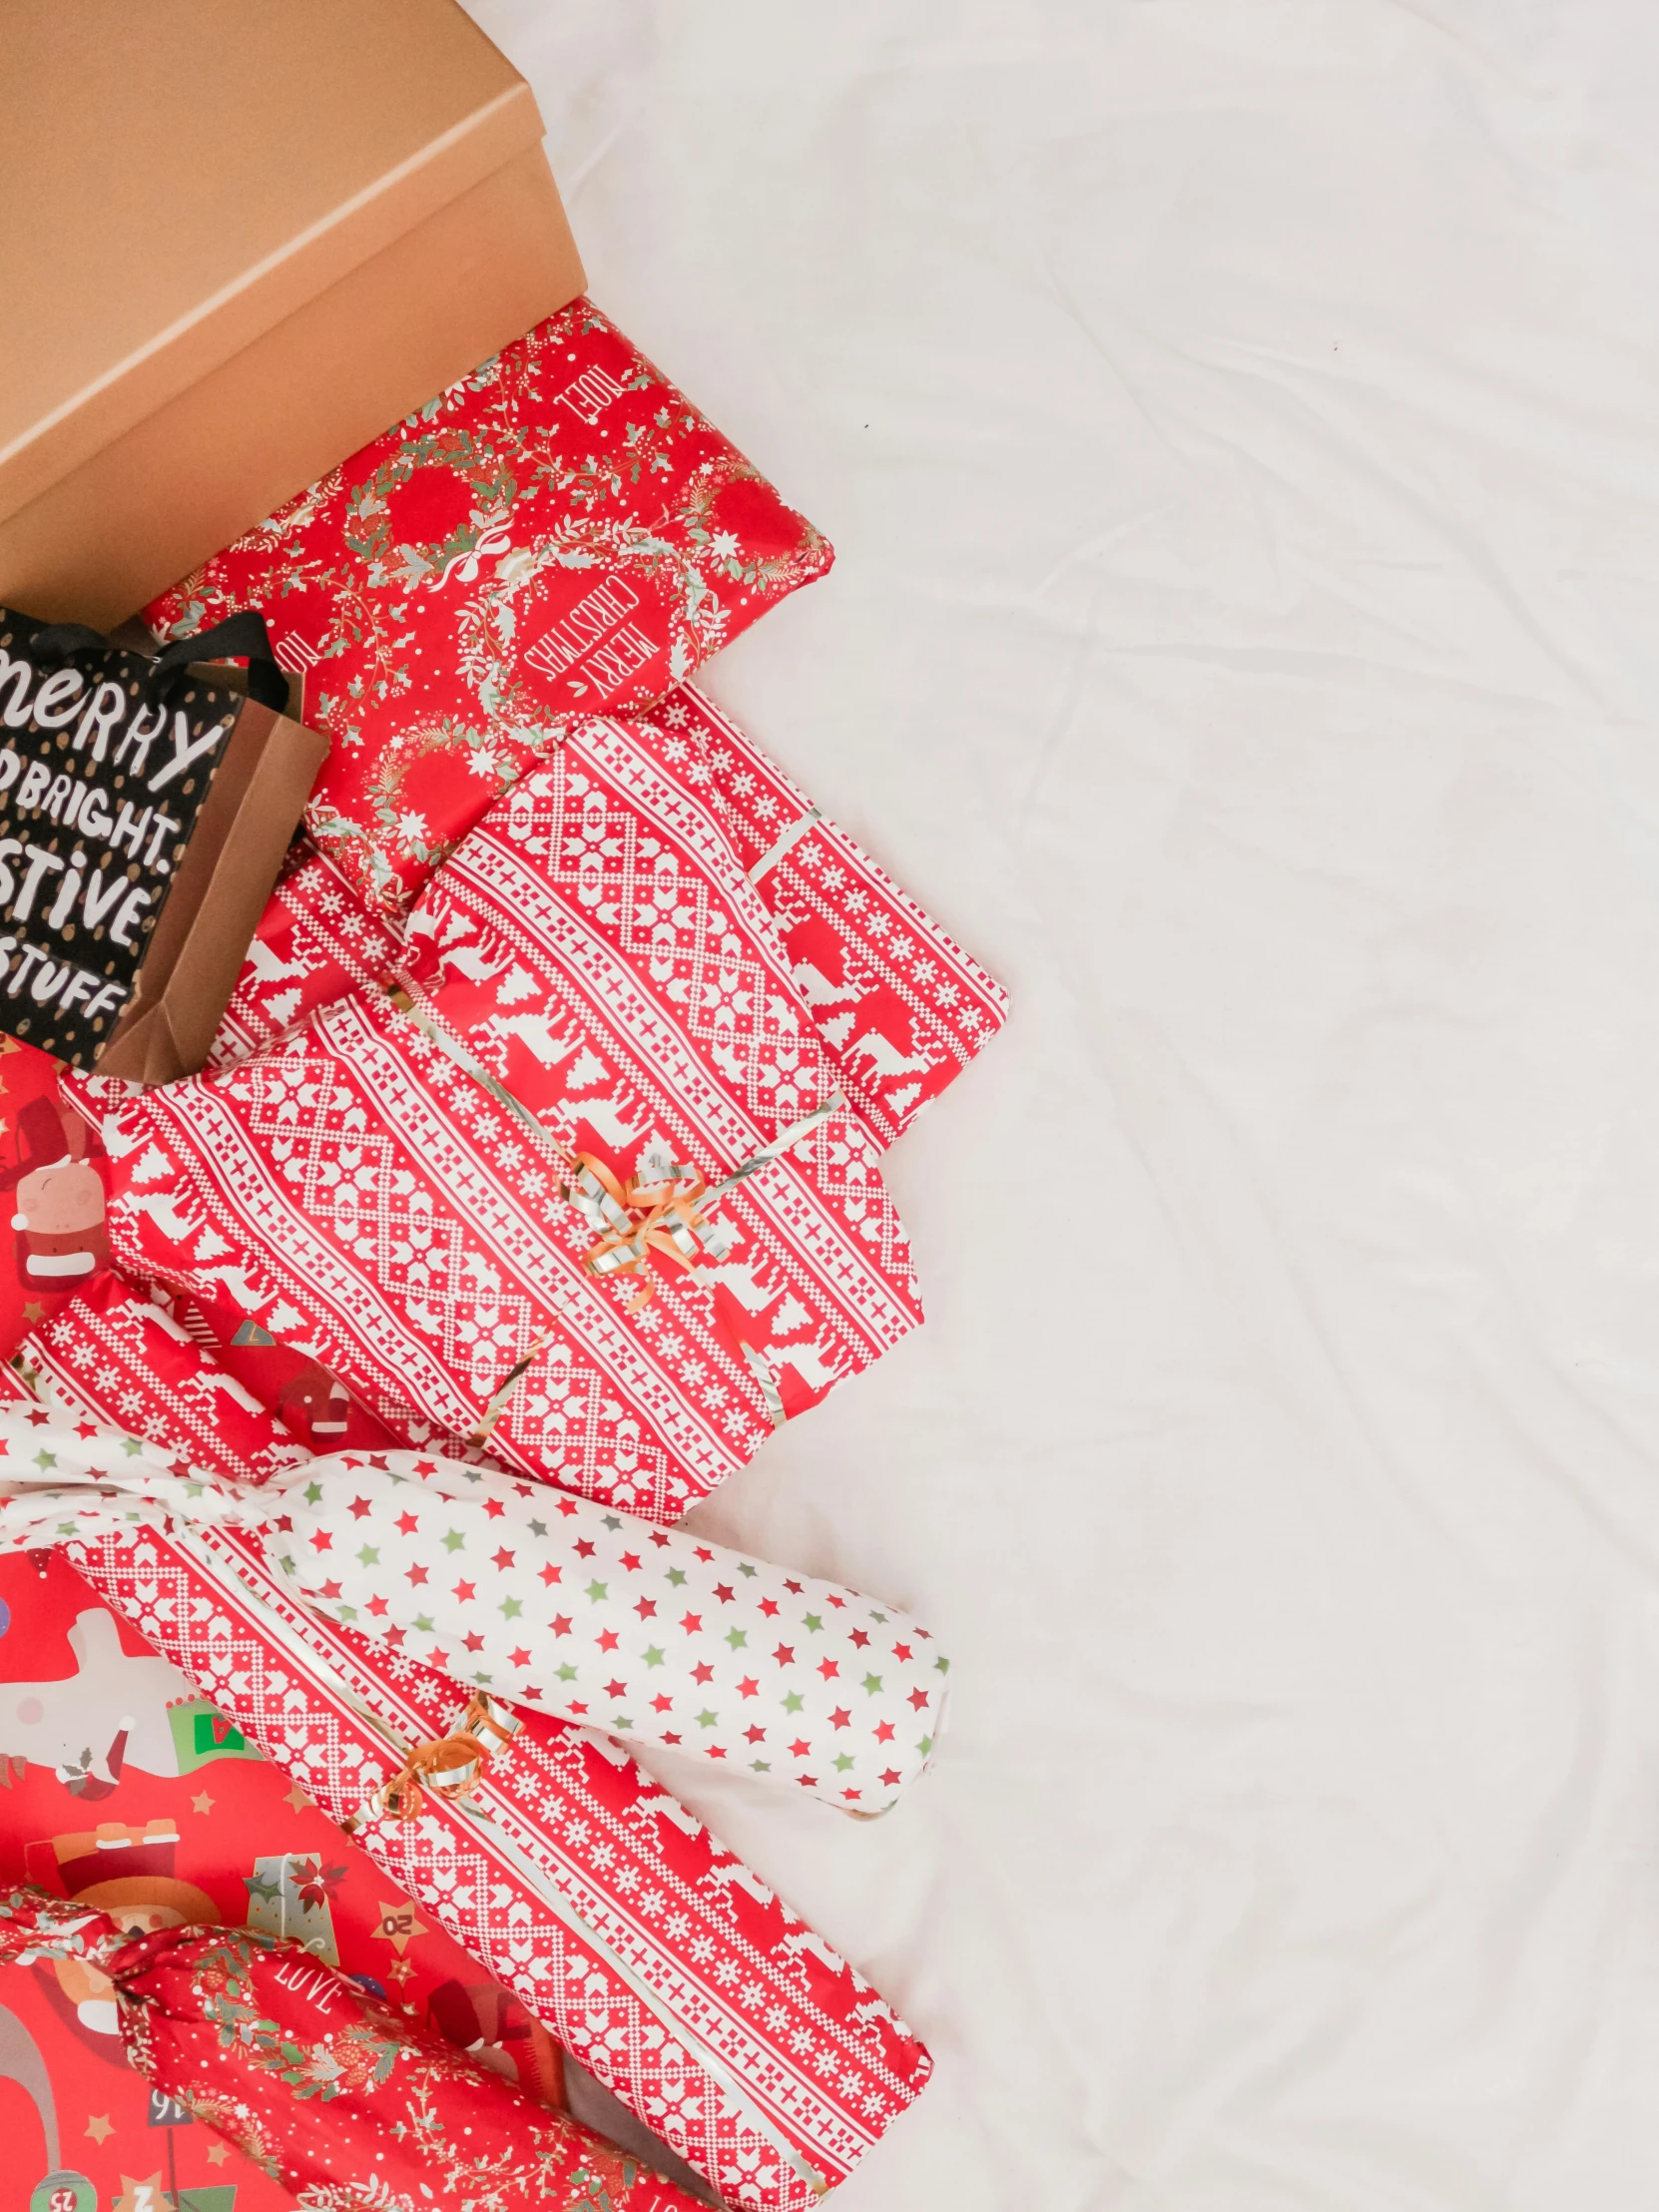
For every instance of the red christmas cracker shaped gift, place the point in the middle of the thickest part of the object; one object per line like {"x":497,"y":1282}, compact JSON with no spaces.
{"x":671,"y":1971}
{"x":559,"y":533}
{"x":597,"y":1193}
{"x":318,"y":2081}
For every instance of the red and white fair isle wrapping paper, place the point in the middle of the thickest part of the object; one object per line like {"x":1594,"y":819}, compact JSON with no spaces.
{"x":899,"y":1006}
{"x":559,"y":533}
{"x":368,"y":1191}
{"x":317,"y":942}
{"x":673,"y":1973}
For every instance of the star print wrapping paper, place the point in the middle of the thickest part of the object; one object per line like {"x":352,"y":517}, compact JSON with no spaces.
{"x":550,"y":1601}
{"x":127,"y":1790}
{"x":370,"y":1187}
{"x":672,"y":1971}
{"x":648,"y":1633}
{"x":559,"y":533}
{"x":316,"y":2081}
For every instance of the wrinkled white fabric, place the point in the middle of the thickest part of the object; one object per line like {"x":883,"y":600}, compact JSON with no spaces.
{"x":1239,"y":424}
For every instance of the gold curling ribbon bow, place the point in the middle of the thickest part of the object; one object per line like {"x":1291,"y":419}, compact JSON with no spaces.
{"x":631,"y":1219}
{"x":448,"y":1767}
{"x":634,"y":1219}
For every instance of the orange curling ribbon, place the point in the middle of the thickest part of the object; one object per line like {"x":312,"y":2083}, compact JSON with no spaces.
{"x":448,"y":1767}
{"x":636,"y":1219}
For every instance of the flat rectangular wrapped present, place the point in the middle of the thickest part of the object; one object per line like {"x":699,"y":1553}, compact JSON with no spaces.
{"x":144,"y":813}
{"x":560,"y":534}
{"x":898,"y":1005}
{"x":671,"y":1971}
{"x":591,"y":990}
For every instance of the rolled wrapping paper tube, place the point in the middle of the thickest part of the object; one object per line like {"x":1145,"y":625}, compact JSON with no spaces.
{"x":538,"y":1598}
{"x":341,"y":2102}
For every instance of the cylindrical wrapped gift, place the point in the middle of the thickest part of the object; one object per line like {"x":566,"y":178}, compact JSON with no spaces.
{"x":540,"y":1598}
{"x":346,"y":2105}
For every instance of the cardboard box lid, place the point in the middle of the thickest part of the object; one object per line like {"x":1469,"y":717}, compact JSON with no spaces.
{"x":177,"y":177}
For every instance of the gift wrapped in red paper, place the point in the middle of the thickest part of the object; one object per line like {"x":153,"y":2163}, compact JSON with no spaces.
{"x":318,"y":2082}
{"x":559,"y":534}
{"x":671,"y":1971}
{"x":593,"y":1188}
{"x":899,"y":1008}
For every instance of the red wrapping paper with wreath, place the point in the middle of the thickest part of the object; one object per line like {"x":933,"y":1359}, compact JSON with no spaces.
{"x":559,"y":534}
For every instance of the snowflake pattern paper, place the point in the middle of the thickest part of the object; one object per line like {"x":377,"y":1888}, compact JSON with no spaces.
{"x":360,"y":1192}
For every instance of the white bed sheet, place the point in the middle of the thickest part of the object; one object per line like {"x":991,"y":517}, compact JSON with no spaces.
{"x":1239,"y":421}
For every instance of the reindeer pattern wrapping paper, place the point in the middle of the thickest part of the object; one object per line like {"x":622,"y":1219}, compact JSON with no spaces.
{"x":369,"y":1186}
{"x":899,"y":1008}
{"x":669,"y":1969}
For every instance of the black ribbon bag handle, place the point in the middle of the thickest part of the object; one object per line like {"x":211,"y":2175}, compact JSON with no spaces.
{"x":240,"y":637}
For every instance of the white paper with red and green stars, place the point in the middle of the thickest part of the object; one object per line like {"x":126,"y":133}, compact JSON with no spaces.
{"x":595,"y":1616}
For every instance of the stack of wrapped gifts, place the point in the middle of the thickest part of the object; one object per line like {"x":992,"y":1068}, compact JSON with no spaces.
{"x":445,"y":1073}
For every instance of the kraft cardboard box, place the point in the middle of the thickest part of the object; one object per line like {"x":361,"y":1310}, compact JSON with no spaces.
{"x":236,"y":241}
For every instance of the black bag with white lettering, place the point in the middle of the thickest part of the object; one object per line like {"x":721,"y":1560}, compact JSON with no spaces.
{"x":146,"y":804}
